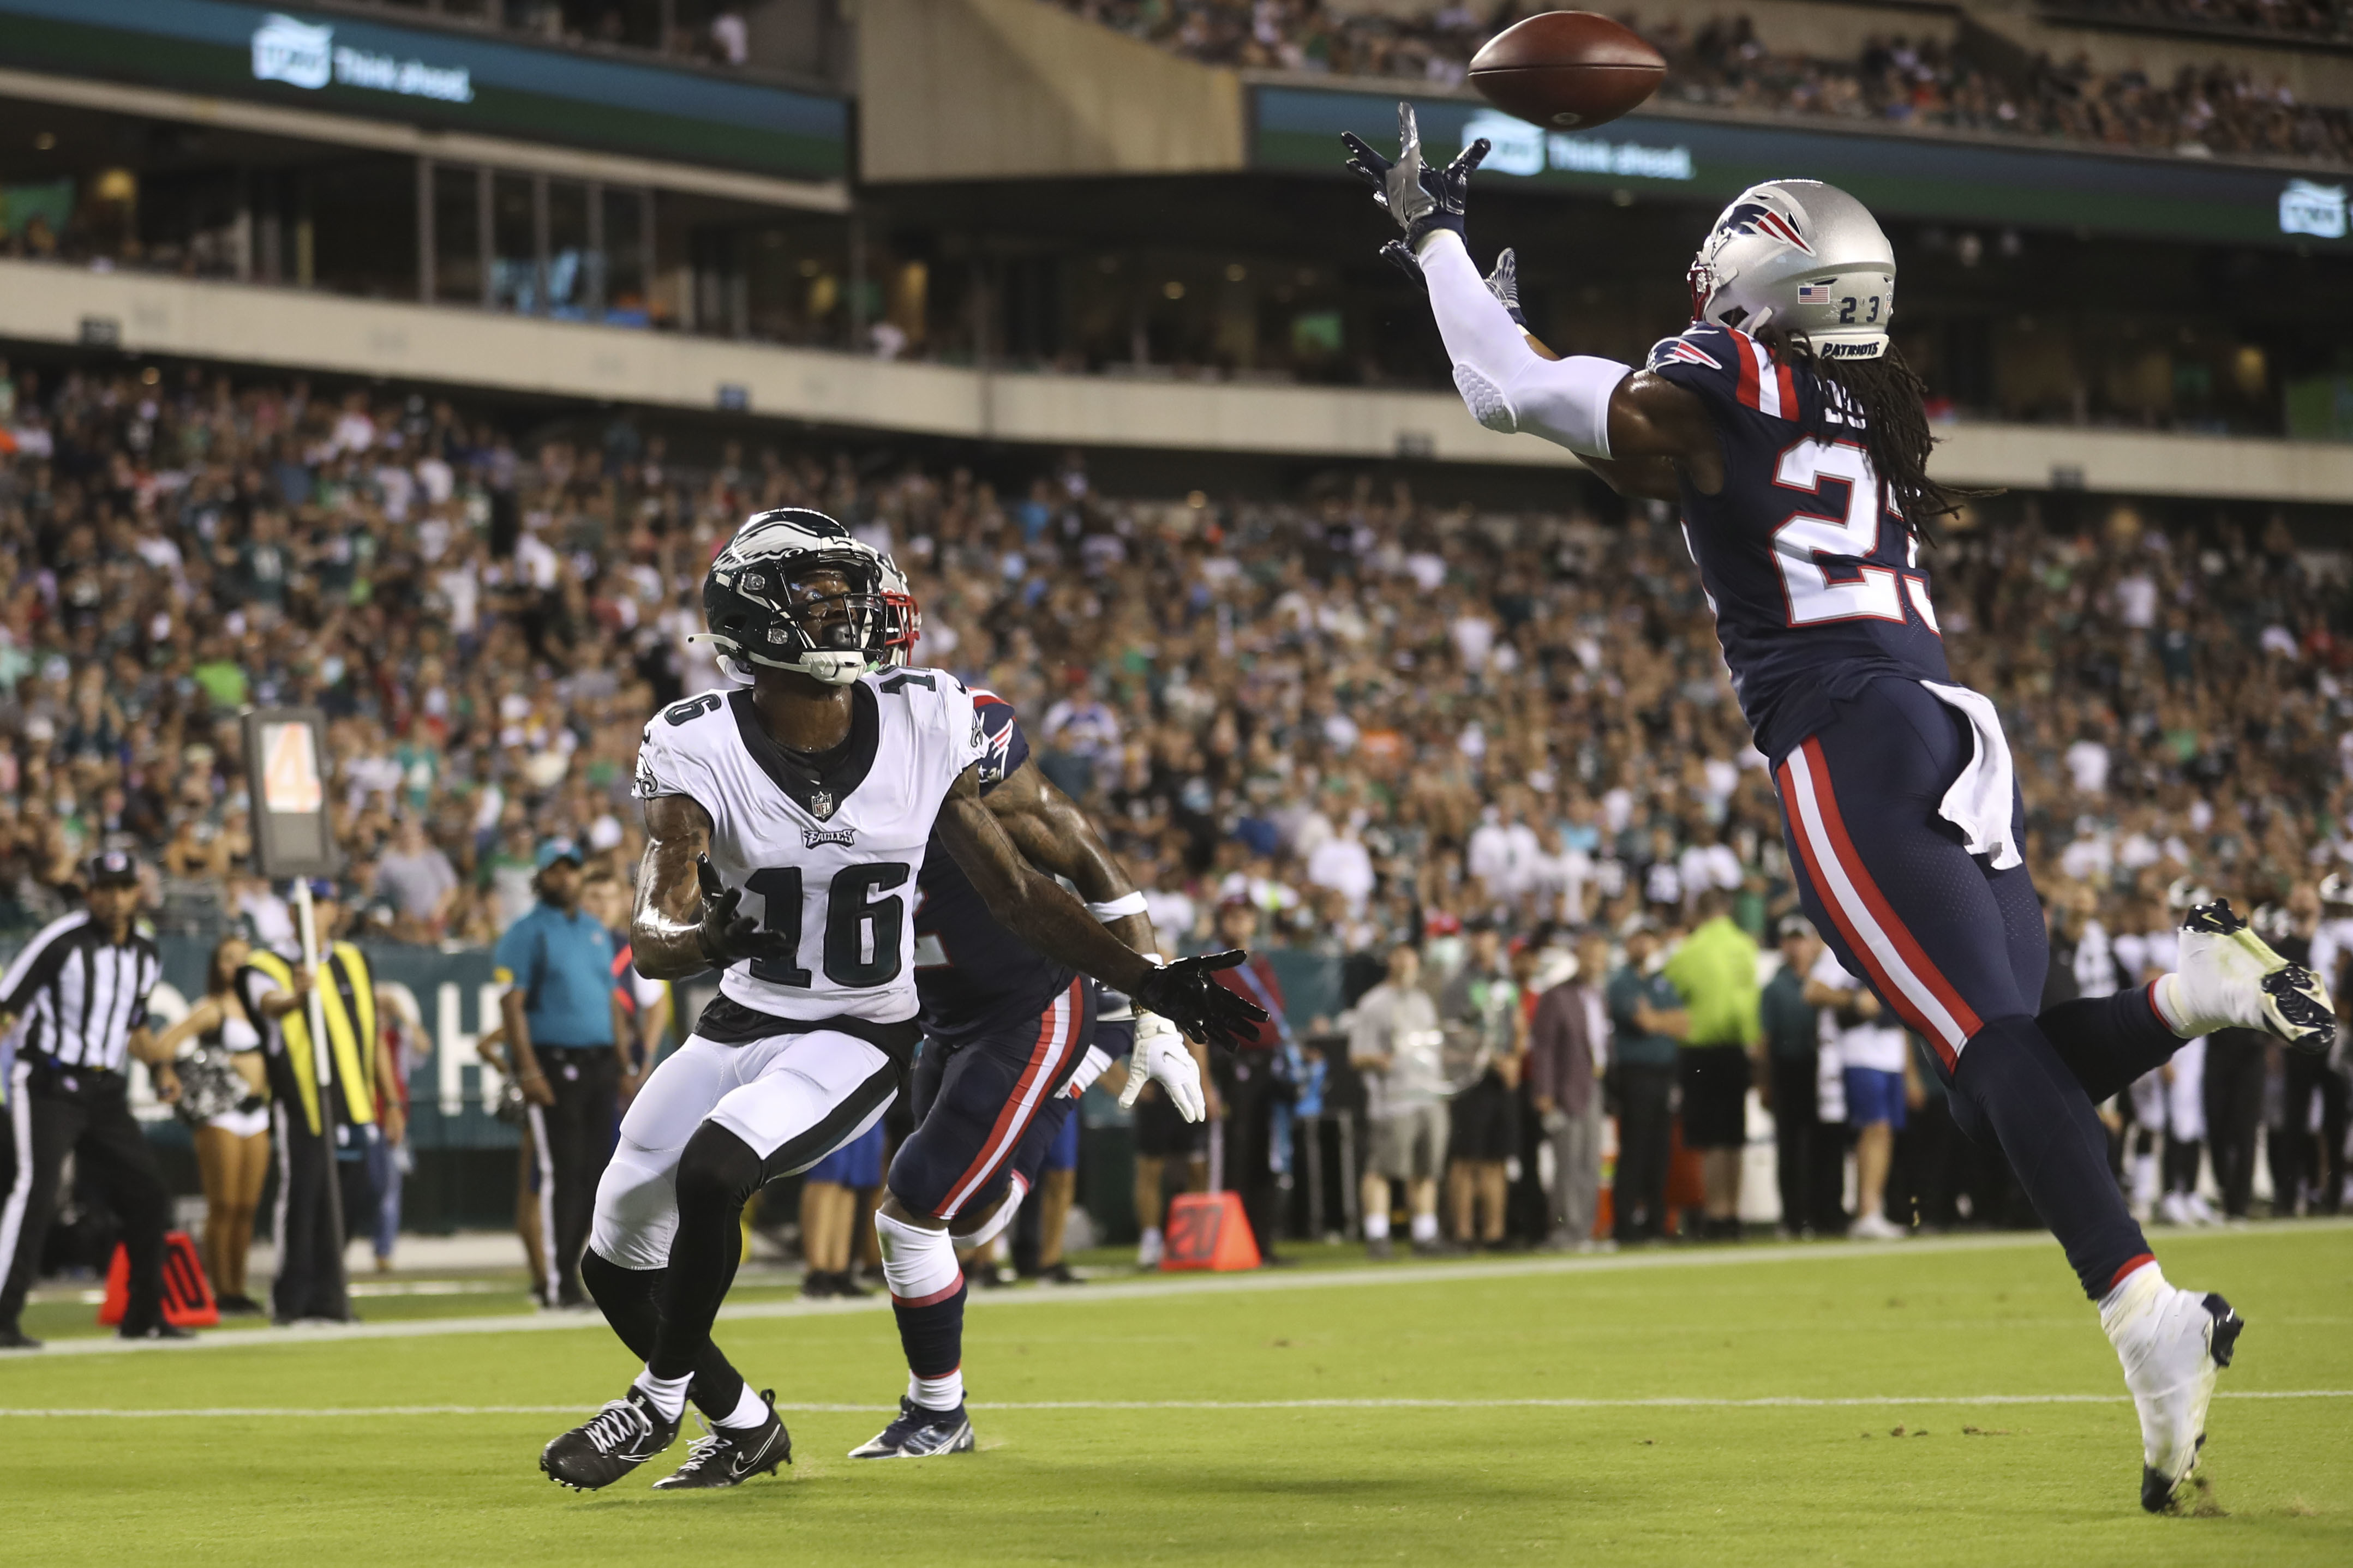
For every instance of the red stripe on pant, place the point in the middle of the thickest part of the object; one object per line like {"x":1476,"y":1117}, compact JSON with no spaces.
{"x":1055,"y":1039}
{"x":1837,"y":846}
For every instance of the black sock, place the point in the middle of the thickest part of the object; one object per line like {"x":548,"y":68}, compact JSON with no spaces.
{"x":2108,"y":1041}
{"x":626,"y":1297}
{"x":2181,"y":1164}
{"x":2012,"y":1084}
{"x":716,"y":1173}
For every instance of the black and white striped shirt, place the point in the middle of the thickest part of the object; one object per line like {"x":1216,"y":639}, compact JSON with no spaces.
{"x":78,"y":994}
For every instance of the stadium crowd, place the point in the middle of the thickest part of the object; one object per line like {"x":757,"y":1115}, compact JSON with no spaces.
{"x":1724,"y":64}
{"x":2300,"y":18}
{"x":1360,"y":721}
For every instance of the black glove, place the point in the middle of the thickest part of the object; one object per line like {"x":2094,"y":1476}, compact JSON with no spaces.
{"x":727,"y":936}
{"x":1187,"y":995}
{"x":1422,"y":200}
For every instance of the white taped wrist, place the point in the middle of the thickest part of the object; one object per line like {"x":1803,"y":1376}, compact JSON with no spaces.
{"x":1117,"y":909}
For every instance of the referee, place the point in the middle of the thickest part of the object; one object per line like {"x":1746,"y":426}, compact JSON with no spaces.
{"x":80,"y":989}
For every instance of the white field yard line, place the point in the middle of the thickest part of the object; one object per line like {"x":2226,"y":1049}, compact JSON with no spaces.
{"x":1771,"y":1402}
{"x":1189,"y":1285}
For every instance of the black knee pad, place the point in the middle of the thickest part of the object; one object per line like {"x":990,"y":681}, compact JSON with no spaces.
{"x":717,"y":1167}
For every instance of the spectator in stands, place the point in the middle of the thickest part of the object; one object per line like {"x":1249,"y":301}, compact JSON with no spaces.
{"x":1809,"y":1146}
{"x":1647,"y":1028}
{"x":415,"y":877}
{"x":1714,"y":970}
{"x":1569,"y":1051}
{"x":1396,"y":1044}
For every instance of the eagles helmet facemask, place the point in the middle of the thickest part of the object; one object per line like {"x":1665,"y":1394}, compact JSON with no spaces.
{"x":748,"y":600}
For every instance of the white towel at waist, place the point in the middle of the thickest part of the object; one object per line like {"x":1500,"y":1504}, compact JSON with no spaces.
{"x":1978,"y":802}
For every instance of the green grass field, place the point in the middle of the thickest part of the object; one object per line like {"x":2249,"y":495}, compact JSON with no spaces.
{"x":1720,"y":1407}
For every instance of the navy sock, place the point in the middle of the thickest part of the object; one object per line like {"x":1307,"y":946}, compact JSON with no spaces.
{"x":2108,"y":1041}
{"x":716,"y":1173}
{"x":627,"y":1297}
{"x":2011,"y":1083}
{"x":933,"y":1333}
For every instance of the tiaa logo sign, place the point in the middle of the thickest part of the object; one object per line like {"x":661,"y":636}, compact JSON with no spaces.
{"x":293,"y":52}
{"x":2307,"y":207}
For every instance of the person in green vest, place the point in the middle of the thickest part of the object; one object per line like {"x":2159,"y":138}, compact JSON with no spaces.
{"x":323,"y":1095}
{"x":1714,"y":972}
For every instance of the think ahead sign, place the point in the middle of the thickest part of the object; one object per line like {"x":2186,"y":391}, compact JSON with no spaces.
{"x":445,"y":77}
{"x":1706,"y":162}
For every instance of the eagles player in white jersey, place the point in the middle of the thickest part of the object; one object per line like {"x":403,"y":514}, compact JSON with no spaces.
{"x":785,"y":821}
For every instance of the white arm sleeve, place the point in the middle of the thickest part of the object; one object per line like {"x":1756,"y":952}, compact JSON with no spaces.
{"x":1507,"y":386}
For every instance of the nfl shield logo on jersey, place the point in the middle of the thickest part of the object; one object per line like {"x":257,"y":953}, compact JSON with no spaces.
{"x":820,"y":804}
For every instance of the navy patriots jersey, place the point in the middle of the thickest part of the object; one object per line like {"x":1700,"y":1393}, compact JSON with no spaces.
{"x":1812,"y":574}
{"x":972,"y":974}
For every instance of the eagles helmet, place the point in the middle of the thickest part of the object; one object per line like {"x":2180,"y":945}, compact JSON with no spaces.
{"x":1804,"y":256}
{"x":748,"y":604}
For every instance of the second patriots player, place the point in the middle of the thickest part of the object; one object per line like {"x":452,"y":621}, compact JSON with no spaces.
{"x":1795,"y":440}
{"x":1010,"y":1038}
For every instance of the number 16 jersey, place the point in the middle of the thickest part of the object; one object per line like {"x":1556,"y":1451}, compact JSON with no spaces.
{"x":826,"y":847}
{"x":1812,"y":573}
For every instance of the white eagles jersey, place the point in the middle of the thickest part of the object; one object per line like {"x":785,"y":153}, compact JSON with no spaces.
{"x":828,"y":861}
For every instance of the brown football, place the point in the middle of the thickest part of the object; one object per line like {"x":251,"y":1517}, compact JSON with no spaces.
{"x":1567,"y":69}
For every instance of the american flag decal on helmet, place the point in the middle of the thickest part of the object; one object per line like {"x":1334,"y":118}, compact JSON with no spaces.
{"x":1813,"y":293}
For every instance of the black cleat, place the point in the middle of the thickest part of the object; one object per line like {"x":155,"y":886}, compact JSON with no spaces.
{"x":919,"y":1433}
{"x":12,"y":1338}
{"x":729,"y":1457}
{"x":608,"y":1445}
{"x":155,"y":1332}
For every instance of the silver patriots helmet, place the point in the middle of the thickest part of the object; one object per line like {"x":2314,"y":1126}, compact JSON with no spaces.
{"x":906,"y":617}
{"x":1805,"y":258}
{"x":758,"y":602}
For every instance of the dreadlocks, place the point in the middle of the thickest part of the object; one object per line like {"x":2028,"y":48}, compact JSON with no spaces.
{"x":1889,"y":397}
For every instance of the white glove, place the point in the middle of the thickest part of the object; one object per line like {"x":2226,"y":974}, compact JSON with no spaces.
{"x":1160,"y":1057}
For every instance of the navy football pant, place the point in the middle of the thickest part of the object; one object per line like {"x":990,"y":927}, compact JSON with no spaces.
{"x":1958,"y":951}
{"x":975,"y":1099}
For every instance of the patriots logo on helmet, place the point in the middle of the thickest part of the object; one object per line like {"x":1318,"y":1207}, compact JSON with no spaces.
{"x":1756,"y":217}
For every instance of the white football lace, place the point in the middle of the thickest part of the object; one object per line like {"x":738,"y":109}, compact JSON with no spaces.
{"x":704,"y":1446}
{"x":615,"y":1425}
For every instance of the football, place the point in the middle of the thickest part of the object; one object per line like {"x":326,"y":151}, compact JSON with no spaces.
{"x":1567,"y":69}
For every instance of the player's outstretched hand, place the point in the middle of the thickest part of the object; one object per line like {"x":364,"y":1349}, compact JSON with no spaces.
{"x":1160,"y":1057}
{"x":1187,"y":995}
{"x":729,"y":935}
{"x":1418,"y":198}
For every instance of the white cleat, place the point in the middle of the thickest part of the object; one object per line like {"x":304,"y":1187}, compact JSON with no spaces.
{"x":2172,"y":1342}
{"x":1874,"y":1227}
{"x":2231,"y":978}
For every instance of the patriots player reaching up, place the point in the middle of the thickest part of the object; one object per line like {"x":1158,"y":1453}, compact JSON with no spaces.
{"x":1010,"y":1035}
{"x":785,"y":820}
{"x":1793,"y":436}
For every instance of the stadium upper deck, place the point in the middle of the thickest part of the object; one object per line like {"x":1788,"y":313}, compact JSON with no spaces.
{"x":1008,"y":221}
